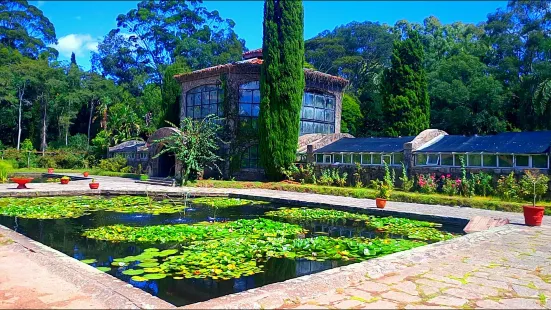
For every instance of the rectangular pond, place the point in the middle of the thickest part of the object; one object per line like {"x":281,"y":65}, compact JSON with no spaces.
{"x":191,"y":250}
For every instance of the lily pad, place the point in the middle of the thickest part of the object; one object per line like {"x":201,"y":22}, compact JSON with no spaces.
{"x":133,"y":272}
{"x":104,"y":269}
{"x":154,"y":276}
{"x":138,"y":279}
{"x":89,"y":261}
{"x":148,"y":265}
{"x":119,"y":264}
{"x":151,"y":250}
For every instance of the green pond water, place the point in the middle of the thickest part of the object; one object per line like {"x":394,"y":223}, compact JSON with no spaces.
{"x":192,"y":251}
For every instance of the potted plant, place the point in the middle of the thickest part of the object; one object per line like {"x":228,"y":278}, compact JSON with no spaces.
{"x":383,"y":193}
{"x":65,"y":180}
{"x":533,"y":185}
{"x":85,"y":174}
{"x":94,"y":184}
{"x":50,"y":170}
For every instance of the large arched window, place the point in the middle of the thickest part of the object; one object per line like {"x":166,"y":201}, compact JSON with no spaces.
{"x":249,"y":103}
{"x":318,"y":113}
{"x":204,"y":100}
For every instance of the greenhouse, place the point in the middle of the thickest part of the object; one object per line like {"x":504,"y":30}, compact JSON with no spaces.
{"x":364,"y":151}
{"x":520,"y":150}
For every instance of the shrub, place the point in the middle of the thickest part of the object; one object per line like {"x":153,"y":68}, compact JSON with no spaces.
{"x":507,"y":187}
{"x":482,"y":183}
{"x":5,"y":170}
{"x":384,"y":188}
{"x":307,"y":174}
{"x":450,"y":186}
{"x":326,"y":178}
{"x":426,"y":183}
{"x":144,"y":177}
{"x":467,"y":188}
{"x":47,"y":162}
{"x":407,"y":183}
{"x":115,"y":164}
{"x":533,"y":185}
{"x":338,"y":178}
{"x":127,"y":169}
{"x":358,"y":176}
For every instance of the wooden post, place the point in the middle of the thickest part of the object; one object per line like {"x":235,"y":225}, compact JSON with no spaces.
{"x":29,"y":159}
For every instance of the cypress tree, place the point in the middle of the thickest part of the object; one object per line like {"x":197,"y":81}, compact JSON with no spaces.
{"x":406,"y":106}
{"x":73,"y":59}
{"x":281,"y":85}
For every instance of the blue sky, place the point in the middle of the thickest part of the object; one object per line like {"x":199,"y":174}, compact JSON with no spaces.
{"x":81,"y":24}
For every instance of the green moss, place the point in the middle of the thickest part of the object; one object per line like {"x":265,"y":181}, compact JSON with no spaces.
{"x":543,"y":299}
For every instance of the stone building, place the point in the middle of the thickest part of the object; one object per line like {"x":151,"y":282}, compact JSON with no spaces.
{"x":232,"y":91}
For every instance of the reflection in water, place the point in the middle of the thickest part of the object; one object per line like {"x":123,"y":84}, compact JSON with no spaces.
{"x":65,"y":236}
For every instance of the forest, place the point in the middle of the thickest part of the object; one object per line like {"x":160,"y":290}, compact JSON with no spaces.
{"x":481,"y":79}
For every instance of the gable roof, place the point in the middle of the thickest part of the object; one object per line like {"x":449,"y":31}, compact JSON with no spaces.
{"x":528,"y":142}
{"x":356,"y":145}
{"x":129,"y":146}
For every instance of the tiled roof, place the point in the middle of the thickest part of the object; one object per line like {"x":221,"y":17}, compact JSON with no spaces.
{"x":129,"y":146}
{"x":381,"y":145}
{"x":528,"y":142}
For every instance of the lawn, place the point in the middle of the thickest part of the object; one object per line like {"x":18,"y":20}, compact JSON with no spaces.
{"x":489,"y":203}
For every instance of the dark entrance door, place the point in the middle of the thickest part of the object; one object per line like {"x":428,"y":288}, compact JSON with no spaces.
{"x":167,"y":165}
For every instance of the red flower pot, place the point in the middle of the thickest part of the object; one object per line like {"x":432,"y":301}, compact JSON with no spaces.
{"x":50,"y":170}
{"x":85,"y":174}
{"x":533,"y":215}
{"x":94,"y":185}
{"x":380,"y":202}
{"x":21,"y":181}
{"x":64,"y":181}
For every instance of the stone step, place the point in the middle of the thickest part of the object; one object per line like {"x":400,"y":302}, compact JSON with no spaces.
{"x":481,"y":223}
{"x":162,"y":182}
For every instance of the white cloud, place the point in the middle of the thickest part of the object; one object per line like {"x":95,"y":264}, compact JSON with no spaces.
{"x":80,"y":44}
{"x":78,"y":17}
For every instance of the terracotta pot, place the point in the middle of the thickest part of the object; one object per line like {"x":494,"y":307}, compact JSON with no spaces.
{"x":533,"y":215}
{"x":381,"y":203}
{"x":21,"y":181}
{"x":64,"y":181}
{"x":94,"y":185}
{"x":50,"y":170}
{"x":85,"y":174}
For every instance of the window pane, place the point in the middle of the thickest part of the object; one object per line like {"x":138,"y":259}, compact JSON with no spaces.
{"x":366,"y":159}
{"x":197,"y":111}
{"x":331,"y":128}
{"x":376,"y":159}
{"x":539,"y":161}
{"x":197,"y":99}
{"x":398,"y":158}
{"x":347,"y":158}
{"x":308,"y":113}
{"x":319,"y":158}
{"x":458,"y":159}
{"x":475,"y":160}
{"x":244,"y":109}
{"x":319,"y":101}
{"x":505,"y":160}
{"x":446,"y":159}
{"x":433,"y":159}
{"x":490,"y":160}
{"x":521,"y":160}
{"x":189,"y":100}
{"x":337,"y":158}
{"x":387,"y":159}
{"x":327,"y":158}
{"x":357,"y":158}
{"x":255,"y":110}
{"x":213,"y":97}
{"x":319,"y":115}
{"x":421,"y":159}
{"x":331,"y":103}
{"x":189,"y":112}
{"x":308,"y":99}
{"x":256,"y":96}
{"x":329,"y":115}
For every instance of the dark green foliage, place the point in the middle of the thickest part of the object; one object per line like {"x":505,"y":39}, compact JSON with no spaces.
{"x":170,"y":109}
{"x":73,"y":59}
{"x":281,"y":85}
{"x":351,"y":117}
{"x":406,"y":108}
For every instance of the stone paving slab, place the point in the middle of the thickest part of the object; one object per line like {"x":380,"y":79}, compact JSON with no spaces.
{"x":34,"y":276}
{"x":494,"y":269}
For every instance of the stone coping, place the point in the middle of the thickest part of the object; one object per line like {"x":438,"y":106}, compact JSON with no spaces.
{"x":115,"y":293}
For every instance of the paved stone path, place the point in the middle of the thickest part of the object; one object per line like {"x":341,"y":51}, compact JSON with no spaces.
{"x":507,"y":267}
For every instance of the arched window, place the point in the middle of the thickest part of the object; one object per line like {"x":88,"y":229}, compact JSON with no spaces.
{"x":249,"y":103}
{"x":250,"y":157}
{"x":204,"y":100}
{"x":318,"y":113}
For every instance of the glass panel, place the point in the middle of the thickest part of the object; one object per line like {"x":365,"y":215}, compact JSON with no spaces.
{"x":337,"y":158}
{"x":319,"y":158}
{"x":446,"y":159}
{"x":308,"y":113}
{"x":331,"y":128}
{"x":308,"y":99}
{"x":376,"y":159}
{"x":213,"y":97}
{"x":329,"y":115}
{"x":357,"y":158}
{"x":398,"y":158}
{"x":213,"y":109}
{"x":255,"y":110}
{"x":189,"y":112}
{"x":197,"y":111}
{"x":331,"y":103}
{"x":521,"y":160}
{"x":327,"y":158}
{"x":205,"y":110}
{"x":421,"y":159}
{"x":319,"y":115}
{"x":189,"y":100}
{"x":490,"y":160}
{"x":366,"y":159}
{"x":433,"y":159}
{"x":244,"y":109}
{"x":475,"y":160}
{"x":319,"y":101}
{"x":256,"y":96}
{"x":247,"y":96}
{"x":308,"y":127}
{"x":197,"y":99}
{"x":347,"y":158}
{"x":539,"y":161}
{"x":205,"y":98}
{"x":505,"y":161}
{"x":458,"y":159}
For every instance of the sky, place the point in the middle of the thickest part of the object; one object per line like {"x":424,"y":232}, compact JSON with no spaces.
{"x":80,"y":25}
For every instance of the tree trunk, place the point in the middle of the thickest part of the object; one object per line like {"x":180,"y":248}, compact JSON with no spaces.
{"x":66,"y":135}
{"x":44,"y":127}
{"x":90,"y":120}
{"x":21,"y":93}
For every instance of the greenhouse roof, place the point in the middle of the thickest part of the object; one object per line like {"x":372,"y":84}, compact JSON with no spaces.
{"x":528,"y":142}
{"x":356,"y":145}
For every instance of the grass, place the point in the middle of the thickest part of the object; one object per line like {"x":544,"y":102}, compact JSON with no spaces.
{"x":93,"y":171}
{"x":488,"y":203}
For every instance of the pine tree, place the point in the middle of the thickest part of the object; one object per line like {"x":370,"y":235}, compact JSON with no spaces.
{"x":281,"y":85}
{"x":73,"y":59}
{"x":406,"y":106}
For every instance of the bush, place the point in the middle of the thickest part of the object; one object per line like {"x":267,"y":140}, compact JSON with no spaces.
{"x":47,"y":162}
{"x":507,"y":187}
{"x":5,"y":170}
{"x":115,"y":164}
{"x":426,"y":183}
{"x":450,"y":186}
{"x":407,"y":183}
{"x":533,"y":185}
{"x":482,"y":183}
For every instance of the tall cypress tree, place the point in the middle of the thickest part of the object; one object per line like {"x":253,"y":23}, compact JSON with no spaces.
{"x":281,"y":84}
{"x":406,"y":106}
{"x":73,"y":59}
